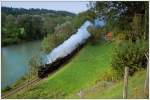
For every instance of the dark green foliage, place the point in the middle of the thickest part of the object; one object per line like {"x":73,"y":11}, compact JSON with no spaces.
{"x":62,"y":32}
{"x":3,"y":16}
{"x":20,"y":25}
{"x":32,"y":11}
{"x":49,"y":42}
{"x":49,"y":24}
{"x":119,"y":15}
{"x":10,"y":30}
{"x":96,"y":34}
{"x":32,"y":26}
{"x":20,"y":28}
{"x":129,"y":23}
{"x":65,"y":30}
{"x":130,"y":54}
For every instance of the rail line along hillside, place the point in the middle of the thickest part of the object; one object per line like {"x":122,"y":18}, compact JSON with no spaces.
{"x":65,"y":51}
{"x":59,"y":56}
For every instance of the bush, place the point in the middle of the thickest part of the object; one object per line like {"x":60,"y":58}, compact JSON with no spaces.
{"x":65,"y":28}
{"x":50,"y":42}
{"x":130,"y":54}
{"x":110,"y":75}
{"x":120,"y":38}
{"x":62,"y":32}
{"x":95,"y":34}
{"x":34,"y":64}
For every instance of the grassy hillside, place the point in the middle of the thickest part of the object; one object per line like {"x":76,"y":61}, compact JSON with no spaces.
{"x":89,"y":64}
{"x":77,"y":79}
{"x":106,"y":90}
{"x":136,"y":86}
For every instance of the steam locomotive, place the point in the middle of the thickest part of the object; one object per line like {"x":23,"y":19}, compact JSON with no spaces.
{"x":52,"y":67}
{"x":61,"y":54}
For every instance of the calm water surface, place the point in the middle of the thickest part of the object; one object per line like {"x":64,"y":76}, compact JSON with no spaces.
{"x":15,"y":61}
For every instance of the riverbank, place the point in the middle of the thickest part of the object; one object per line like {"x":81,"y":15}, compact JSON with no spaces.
{"x":12,"y":86}
{"x":20,"y":86}
{"x":20,"y":42}
{"x":15,"y":61}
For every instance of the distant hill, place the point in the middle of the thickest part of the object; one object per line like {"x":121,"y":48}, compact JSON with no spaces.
{"x":32,"y":11}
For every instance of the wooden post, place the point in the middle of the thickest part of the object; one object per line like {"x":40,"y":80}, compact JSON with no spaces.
{"x":146,"y":85}
{"x":125,"y":88}
{"x":136,"y":92}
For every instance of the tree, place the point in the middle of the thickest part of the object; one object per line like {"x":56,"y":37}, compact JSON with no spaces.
{"x":130,"y":54}
{"x":19,"y":24}
{"x":3,"y":19}
{"x":65,"y":28}
{"x":32,"y":26}
{"x":34,"y":64}
{"x":62,"y":32}
{"x":11,"y":28}
{"x":49,"y":24}
{"x":120,"y":14}
{"x":37,"y":27}
{"x":82,"y":17}
{"x":96,"y":34}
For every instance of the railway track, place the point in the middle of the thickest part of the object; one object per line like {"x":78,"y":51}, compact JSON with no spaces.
{"x":20,"y":87}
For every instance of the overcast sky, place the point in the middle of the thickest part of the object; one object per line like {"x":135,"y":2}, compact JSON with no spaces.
{"x":71,"y":6}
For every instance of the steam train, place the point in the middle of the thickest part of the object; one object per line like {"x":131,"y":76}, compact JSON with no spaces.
{"x":49,"y":68}
{"x":61,"y":54}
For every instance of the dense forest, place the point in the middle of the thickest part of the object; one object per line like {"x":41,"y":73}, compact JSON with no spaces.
{"x":19,"y":24}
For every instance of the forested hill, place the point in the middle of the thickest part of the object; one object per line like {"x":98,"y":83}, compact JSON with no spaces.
{"x":22,"y":25}
{"x":32,"y":11}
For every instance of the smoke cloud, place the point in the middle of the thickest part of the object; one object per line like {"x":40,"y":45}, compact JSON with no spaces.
{"x":70,"y":44}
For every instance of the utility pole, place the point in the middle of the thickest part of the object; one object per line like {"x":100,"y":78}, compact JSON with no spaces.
{"x":125,"y":88}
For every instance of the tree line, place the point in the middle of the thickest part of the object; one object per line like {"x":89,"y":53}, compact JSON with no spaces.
{"x":34,"y":11}
{"x":20,"y":25}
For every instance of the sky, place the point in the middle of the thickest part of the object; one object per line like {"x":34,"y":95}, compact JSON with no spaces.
{"x":71,"y":6}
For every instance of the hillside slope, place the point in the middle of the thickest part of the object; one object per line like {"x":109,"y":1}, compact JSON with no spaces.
{"x":89,"y":64}
{"x":135,"y":88}
{"x":77,"y":79}
{"x":105,"y":90}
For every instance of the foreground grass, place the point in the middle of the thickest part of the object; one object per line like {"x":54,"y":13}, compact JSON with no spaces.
{"x":89,"y":64}
{"x":104,"y":90}
{"x":135,"y":88}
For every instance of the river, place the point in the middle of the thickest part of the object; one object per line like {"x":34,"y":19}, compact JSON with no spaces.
{"x":15,"y":61}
